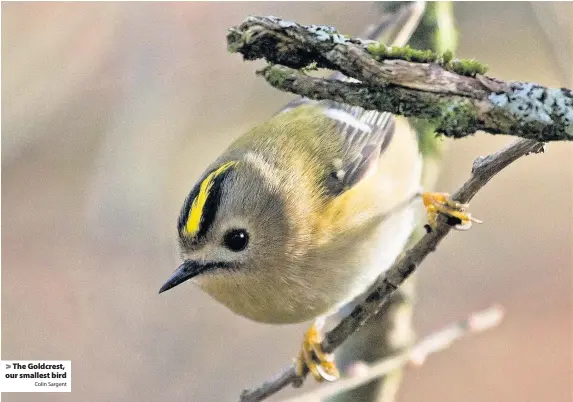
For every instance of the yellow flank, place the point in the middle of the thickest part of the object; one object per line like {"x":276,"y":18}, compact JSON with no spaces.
{"x":194,"y":219}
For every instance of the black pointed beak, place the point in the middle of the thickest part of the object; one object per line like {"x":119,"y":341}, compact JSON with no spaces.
{"x":186,"y":271}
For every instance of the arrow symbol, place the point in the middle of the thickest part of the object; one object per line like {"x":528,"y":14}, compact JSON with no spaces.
{"x":8,"y":366}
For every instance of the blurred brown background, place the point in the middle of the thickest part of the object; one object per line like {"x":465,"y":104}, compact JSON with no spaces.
{"x":111,"y":111}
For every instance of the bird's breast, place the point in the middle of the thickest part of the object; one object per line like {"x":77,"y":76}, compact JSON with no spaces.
{"x":320,"y":283}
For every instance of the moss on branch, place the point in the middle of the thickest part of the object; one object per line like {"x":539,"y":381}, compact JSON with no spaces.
{"x":451,"y":93}
{"x":467,"y":67}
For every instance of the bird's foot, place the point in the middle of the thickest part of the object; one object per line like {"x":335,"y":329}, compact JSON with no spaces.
{"x":321,"y":365}
{"x":456,"y":212}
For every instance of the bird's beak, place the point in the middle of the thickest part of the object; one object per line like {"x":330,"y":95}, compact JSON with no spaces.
{"x":187,"y":270}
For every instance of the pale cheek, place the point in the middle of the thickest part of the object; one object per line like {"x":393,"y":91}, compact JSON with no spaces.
{"x":197,"y":255}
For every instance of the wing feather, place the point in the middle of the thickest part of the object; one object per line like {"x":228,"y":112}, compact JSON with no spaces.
{"x":366,"y":134}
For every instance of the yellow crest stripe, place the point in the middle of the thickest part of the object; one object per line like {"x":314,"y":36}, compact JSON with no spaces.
{"x":194,"y":219}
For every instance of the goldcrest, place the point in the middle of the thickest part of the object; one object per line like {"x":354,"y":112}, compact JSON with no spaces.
{"x":301,"y":214}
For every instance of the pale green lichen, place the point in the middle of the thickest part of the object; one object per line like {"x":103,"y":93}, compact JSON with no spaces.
{"x":275,"y":76}
{"x":447,"y":57}
{"x":324,"y":33}
{"x":457,"y":118}
{"x":282,"y":23}
{"x":287,"y":24}
{"x":467,"y":67}
{"x":530,"y":103}
{"x":383,"y":52}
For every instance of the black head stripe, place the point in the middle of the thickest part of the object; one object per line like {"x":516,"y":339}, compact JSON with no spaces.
{"x":212,"y":205}
{"x":203,"y":200}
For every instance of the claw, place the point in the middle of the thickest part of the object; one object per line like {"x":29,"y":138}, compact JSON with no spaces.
{"x":456,"y":212}
{"x":321,"y":365}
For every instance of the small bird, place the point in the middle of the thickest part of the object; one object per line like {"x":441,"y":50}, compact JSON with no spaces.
{"x":301,"y":214}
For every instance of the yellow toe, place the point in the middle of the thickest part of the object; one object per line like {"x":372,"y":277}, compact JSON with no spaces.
{"x":321,"y":365}
{"x":442,"y":203}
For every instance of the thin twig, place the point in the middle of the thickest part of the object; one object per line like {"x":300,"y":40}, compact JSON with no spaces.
{"x":453,"y":94}
{"x":431,"y":344}
{"x":484,"y":168}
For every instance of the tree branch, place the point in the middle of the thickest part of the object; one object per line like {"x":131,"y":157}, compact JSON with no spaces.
{"x":431,"y":344}
{"x":484,"y":168}
{"x":453,"y":94}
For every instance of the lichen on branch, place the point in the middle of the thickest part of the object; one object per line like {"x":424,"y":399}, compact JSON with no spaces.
{"x":453,"y":94}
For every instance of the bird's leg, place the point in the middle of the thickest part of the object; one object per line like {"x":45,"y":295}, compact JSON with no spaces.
{"x":321,"y":365}
{"x":441,"y":202}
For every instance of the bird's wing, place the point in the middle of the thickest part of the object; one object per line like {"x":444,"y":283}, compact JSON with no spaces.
{"x":367,"y":133}
{"x":365,"y":136}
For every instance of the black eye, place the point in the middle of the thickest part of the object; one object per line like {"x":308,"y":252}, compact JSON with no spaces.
{"x":236,"y":239}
